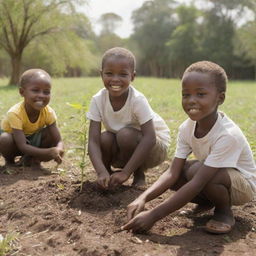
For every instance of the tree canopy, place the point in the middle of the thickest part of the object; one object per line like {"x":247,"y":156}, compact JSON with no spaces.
{"x":153,"y":25}
{"x":109,"y":22}
{"x":167,"y":37}
{"x":23,"y":22}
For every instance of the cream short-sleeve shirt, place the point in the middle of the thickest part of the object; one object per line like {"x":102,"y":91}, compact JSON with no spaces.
{"x":224,"y":146}
{"x":134,"y":113}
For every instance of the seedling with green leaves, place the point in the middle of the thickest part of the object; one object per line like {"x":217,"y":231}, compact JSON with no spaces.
{"x":7,"y":242}
{"x":82,"y":109}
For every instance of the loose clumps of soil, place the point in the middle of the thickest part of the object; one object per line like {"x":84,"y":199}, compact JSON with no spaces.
{"x":52,"y":217}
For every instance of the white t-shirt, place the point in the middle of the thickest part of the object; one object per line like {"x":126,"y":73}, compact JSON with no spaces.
{"x":224,"y":146}
{"x":134,"y":113}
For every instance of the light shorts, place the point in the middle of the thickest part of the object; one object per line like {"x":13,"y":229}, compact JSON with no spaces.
{"x":156,"y":156}
{"x":241,"y":191}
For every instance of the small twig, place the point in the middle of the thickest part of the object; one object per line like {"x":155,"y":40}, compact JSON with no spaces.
{"x":36,"y":234}
{"x":119,"y":230}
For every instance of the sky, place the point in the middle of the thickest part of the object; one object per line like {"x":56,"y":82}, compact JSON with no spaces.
{"x":95,"y":8}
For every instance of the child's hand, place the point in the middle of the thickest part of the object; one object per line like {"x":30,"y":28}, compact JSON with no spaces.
{"x":58,"y":159}
{"x":56,"y":154}
{"x":103,"y":180}
{"x":141,"y":223}
{"x":60,"y":155}
{"x":117,"y":179}
{"x":61,"y":151}
{"x":135,"y":208}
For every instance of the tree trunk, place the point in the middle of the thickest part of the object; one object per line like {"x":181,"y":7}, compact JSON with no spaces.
{"x":255,"y":71}
{"x":16,"y":67}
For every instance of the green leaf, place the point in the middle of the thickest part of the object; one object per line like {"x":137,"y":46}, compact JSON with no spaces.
{"x":75,"y":105}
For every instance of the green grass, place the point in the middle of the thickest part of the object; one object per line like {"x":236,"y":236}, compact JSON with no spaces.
{"x":163,"y":94}
{"x":7,"y":243}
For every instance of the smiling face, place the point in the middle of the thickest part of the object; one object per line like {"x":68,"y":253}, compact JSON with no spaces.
{"x":36,"y":93}
{"x":117,"y":74}
{"x":200,"y":97}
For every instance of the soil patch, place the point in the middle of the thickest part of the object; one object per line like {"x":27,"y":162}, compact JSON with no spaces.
{"x":53,"y":217}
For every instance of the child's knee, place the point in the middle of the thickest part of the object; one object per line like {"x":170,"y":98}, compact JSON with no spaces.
{"x":128,"y":137}
{"x":221,"y":178}
{"x":220,"y":182}
{"x":107,"y":139}
{"x":47,"y":139}
{"x":8,"y":147}
{"x":6,"y":140}
{"x":191,"y":168}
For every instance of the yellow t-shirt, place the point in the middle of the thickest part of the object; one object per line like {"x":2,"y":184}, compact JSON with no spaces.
{"x":17,"y":118}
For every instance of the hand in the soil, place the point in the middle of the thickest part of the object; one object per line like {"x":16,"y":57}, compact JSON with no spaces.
{"x":53,"y":152}
{"x":117,"y":179}
{"x":61,"y":151}
{"x":58,"y":159}
{"x":103,"y":180}
{"x":135,"y":208}
{"x":57,"y":154}
{"x":140,"y":223}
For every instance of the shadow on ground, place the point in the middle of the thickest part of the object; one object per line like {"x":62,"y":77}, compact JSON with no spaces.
{"x":196,"y":241}
{"x":93,"y":199}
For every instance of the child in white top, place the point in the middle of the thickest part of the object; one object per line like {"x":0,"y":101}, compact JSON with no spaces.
{"x":136,"y":138}
{"x":224,"y":173}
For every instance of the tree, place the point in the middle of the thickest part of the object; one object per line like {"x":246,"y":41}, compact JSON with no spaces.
{"x":70,"y":52}
{"x":233,"y":9}
{"x":108,"y":38}
{"x":153,"y":25}
{"x":107,"y":41}
{"x":24,"y":21}
{"x":218,"y":27}
{"x":184,"y":43}
{"x":109,"y":22}
{"x":247,"y":42}
{"x":217,"y":39}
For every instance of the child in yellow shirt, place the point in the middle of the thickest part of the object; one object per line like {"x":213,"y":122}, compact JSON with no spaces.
{"x":29,"y":127}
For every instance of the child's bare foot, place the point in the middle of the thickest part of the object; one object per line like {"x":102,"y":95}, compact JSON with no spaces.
{"x":35,"y":164}
{"x":139,"y":178}
{"x":8,"y":168}
{"x":222,"y":222}
{"x":9,"y":164}
{"x":2,"y":168}
{"x":24,"y":161}
{"x":198,"y":209}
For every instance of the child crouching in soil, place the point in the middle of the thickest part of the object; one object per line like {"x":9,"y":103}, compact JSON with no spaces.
{"x":224,"y":173}
{"x":29,"y":128}
{"x":136,"y":138}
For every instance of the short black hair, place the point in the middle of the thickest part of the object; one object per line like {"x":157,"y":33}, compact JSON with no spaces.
{"x":122,"y":53}
{"x":217,"y":72}
{"x":31,"y":74}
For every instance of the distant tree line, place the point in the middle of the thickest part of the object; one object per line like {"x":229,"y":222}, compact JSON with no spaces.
{"x":167,"y":37}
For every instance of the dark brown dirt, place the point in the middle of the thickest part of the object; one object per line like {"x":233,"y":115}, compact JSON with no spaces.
{"x":53,"y":217}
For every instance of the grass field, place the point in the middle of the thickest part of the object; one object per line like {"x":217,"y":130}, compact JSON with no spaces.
{"x":49,"y":215}
{"x":163,"y":94}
